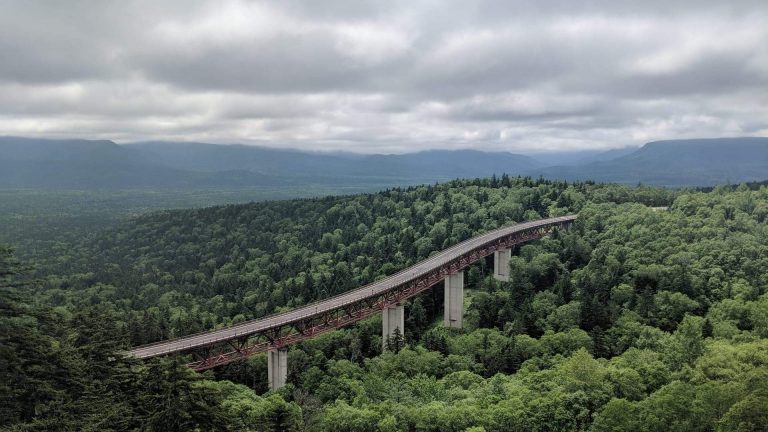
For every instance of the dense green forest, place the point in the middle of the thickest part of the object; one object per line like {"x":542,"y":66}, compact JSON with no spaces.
{"x":36,"y":221}
{"x":636,"y":319}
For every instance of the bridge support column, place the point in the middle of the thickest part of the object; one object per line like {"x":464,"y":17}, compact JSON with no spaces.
{"x":393,"y":318}
{"x":501,"y":264}
{"x":277,"y":367}
{"x":454,"y":300}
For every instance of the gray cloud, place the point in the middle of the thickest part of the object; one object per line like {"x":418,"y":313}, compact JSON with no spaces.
{"x":373,"y":76}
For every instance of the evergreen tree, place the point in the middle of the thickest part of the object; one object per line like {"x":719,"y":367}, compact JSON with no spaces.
{"x":34,"y":372}
{"x":395,"y":342}
{"x":173,"y":402}
{"x":417,"y":321}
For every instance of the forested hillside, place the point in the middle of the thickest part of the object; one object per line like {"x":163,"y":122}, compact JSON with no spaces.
{"x":637,"y":319}
{"x":36,"y":221}
{"x":195,"y":268}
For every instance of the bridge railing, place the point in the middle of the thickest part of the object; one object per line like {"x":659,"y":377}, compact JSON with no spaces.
{"x":370,"y":290}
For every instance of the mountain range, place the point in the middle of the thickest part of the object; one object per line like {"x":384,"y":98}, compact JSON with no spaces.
{"x":427,"y":165}
{"x":103,"y":164}
{"x":692,"y":162}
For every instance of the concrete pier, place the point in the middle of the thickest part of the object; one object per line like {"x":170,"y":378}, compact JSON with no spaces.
{"x":392,"y":317}
{"x":277,"y":367}
{"x":454,"y":300}
{"x":501,"y":265}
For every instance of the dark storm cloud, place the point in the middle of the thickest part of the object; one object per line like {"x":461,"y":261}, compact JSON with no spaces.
{"x":377,"y":76}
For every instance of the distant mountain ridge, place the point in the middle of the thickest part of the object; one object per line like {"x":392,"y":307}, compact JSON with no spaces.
{"x":102,"y":164}
{"x":427,"y":165}
{"x":572,"y":158}
{"x":84,"y":164}
{"x":690,"y":162}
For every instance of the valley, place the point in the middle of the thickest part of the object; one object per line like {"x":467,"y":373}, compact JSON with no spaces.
{"x":631,"y":308}
{"x":367,"y":216}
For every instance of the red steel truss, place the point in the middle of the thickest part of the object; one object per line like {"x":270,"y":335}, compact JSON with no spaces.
{"x":287,"y":332}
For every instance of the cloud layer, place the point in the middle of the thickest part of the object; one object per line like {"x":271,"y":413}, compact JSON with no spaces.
{"x":386,"y":76}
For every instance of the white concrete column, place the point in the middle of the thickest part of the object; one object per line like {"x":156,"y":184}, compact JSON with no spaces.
{"x":454,"y":300}
{"x":501,"y":264}
{"x":392,"y":317}
{"x":277,"y":367}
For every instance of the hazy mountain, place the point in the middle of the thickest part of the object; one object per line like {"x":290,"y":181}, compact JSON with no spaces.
{"x":448,"y":164}
{"x":85,"y":164}
{"x":428,"y":165}
{"x":213,"y":158}
{"x":571,"y":158}
{"x":692,"y":162}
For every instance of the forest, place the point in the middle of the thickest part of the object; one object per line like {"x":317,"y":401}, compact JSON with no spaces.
{"x":650,"y":314}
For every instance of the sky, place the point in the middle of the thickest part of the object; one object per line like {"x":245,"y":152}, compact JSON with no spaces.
{"x":385,"y":77}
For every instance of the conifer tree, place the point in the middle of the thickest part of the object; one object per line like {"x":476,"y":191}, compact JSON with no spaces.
{"x":395,"y":342}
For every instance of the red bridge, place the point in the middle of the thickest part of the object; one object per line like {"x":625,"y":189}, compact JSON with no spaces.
{"x":274,"y":333}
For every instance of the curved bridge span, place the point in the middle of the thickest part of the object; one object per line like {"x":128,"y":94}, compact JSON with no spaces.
{"x":274,"y":332}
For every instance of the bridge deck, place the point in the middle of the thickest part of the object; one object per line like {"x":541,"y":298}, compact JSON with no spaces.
{"x":323,"y":306}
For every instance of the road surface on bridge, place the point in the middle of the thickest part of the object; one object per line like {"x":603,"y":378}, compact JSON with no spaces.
{"x":276,"y":321}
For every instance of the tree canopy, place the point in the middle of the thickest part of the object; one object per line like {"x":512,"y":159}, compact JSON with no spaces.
{"x":638,"y":318}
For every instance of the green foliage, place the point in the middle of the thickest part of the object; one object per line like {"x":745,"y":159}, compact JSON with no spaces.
{"x":395,"y":342}
{"x":66,"y":373}
{"x":177,"y":272}
{"x":636,"y":319}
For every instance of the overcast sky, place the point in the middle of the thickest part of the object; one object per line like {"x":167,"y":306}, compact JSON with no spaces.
{"x":386,"y":76}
